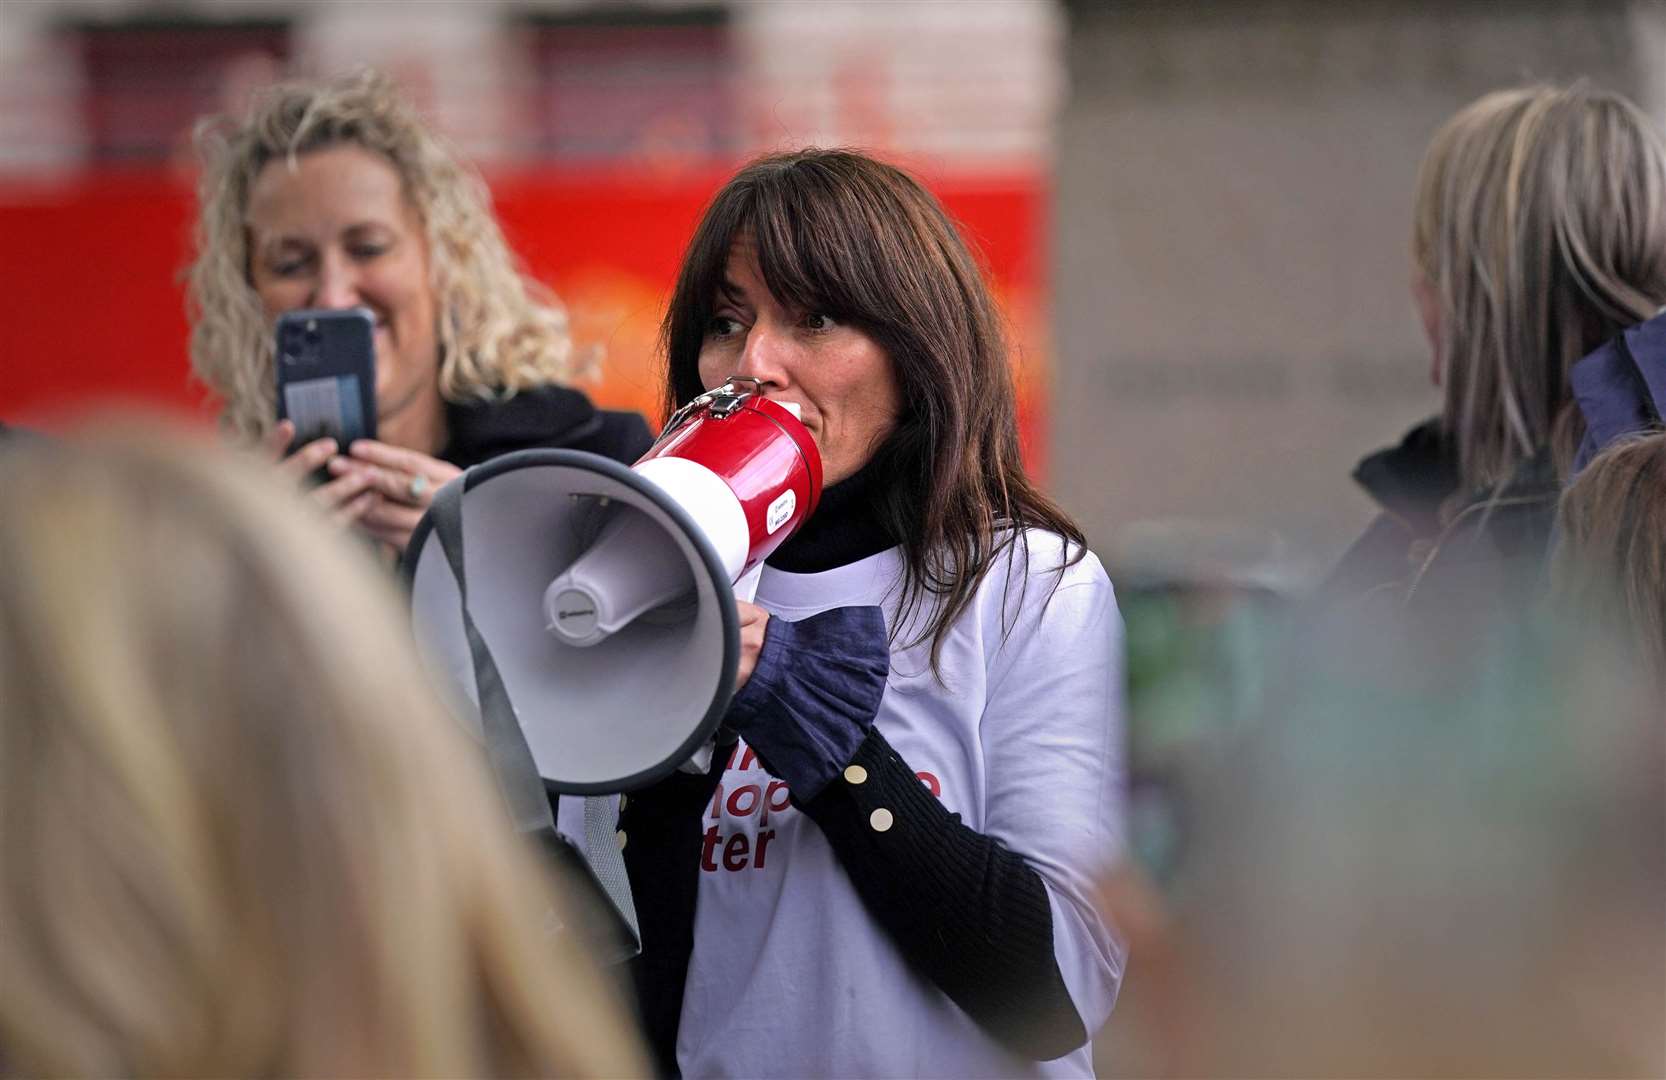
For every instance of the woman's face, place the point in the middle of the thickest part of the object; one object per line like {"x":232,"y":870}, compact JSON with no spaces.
{"x":338,"y":232}
{"x":839,"y":377}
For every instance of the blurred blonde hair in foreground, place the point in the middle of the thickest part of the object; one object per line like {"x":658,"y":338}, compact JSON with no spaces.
{"x":238,"y":837}
{"x":1612,"y":550}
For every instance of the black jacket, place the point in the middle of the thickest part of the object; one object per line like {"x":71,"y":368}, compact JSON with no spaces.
{"x":1408,"y":482}
{"x":543,"y":418}
{"x":1435,"y":549}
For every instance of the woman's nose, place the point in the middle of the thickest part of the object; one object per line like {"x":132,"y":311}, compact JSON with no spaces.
{"x":337,"y":285}
{"x":765,"y":356}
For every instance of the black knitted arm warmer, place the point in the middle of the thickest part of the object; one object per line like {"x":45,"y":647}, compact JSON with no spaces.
{"x":968,"y":913}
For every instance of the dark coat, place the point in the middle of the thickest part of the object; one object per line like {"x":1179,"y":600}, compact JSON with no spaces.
{"x":543,"y":418}
{"x":1431,"y":547}
{"x":1435,"y":549}
{"x":1408,"y":482}
{"x":1492,"y":552}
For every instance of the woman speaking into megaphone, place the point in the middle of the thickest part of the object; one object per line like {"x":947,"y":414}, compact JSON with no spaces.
{"x":887,"y":871}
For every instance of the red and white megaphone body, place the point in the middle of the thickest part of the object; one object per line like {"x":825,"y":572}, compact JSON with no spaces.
{"x":741,"y":466}
{"x":606,"y":594}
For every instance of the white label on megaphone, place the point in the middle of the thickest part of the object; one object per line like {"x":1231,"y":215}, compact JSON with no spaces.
{"x":780,"y":511}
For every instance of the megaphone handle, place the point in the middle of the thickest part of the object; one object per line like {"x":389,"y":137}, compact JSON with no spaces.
{"x":747,"y":587}
{"x":506,"y":747}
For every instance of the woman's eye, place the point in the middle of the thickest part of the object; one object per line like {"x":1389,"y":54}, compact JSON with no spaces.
{"x":815,"y":320}
{"x":367,"y":251}
{"x":723,"y":326}
{"x":287,"y":267}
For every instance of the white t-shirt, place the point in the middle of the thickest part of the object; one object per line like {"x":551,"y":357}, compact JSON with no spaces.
{"x":790,"y":976}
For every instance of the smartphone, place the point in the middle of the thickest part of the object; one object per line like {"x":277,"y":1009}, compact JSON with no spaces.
{"x":326,"y":368}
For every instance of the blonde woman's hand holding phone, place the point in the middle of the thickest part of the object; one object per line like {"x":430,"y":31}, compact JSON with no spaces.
{"x":403,"y":482}
{"x":345,"y":498}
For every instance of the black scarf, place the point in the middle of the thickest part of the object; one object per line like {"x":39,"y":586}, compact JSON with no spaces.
{"x":846,"y":526}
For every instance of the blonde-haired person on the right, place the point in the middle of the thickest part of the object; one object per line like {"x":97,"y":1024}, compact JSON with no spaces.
{"x":1610,"y":555}
{"x":238,"y":836}
{"x":1539,"y":233}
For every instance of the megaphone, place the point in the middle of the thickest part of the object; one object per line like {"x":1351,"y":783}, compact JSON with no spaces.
{"x":604,"y":596}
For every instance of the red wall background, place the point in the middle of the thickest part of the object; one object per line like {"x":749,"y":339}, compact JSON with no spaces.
{"x":93,"y":294}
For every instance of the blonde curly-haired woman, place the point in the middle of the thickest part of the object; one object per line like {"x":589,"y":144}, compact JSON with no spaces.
{"x":238,"y":836}
{"x":336,"y":194}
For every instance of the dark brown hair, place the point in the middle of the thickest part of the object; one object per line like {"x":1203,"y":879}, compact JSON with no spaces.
{"x":862,"y":241}
{"x":1611,"y":555}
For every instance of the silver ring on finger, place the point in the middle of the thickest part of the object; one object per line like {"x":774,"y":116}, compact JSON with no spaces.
{"x":417,"y":488}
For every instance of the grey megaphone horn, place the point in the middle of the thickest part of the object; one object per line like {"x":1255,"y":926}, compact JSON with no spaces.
{"x":603,"y":597}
